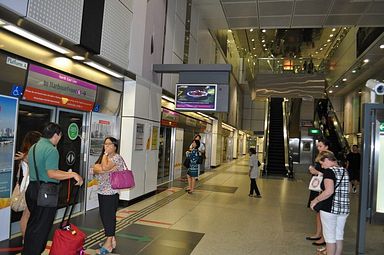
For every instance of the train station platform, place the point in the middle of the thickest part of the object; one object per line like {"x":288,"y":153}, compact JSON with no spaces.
{"x":219,"y":218}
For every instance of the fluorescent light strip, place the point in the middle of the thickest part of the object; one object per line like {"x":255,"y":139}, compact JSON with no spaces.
{"x":168,"y":98}
{"x":205,"y":115}
{"x":2,"y":22}
{"x":35,"y":38}
{"x":104,"y":69}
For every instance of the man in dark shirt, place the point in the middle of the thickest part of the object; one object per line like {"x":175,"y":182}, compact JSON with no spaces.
{"x":353,"y":166}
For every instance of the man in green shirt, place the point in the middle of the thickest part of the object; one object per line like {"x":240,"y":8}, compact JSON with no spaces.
{"x":47,"y":163}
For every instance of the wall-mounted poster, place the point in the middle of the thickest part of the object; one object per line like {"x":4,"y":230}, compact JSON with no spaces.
{"x":102,"y":126}
{"x":8,"y":122}
{"x":155,"y":139}
{"x":139,"y":138}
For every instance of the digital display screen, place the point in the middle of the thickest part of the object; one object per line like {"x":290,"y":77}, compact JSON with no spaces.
{"x":198,"y":97}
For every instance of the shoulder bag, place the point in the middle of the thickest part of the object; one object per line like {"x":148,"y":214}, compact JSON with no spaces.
{"x":48,"y":195}
{"x":122,"y":179}
{"x":315,"y":182}
{"x":320,"y":205}
{"x":18,"y":203}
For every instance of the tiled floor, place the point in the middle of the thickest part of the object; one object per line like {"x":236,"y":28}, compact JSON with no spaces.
{"x":219,"y":218}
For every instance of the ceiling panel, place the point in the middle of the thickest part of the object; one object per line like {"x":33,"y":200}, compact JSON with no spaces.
{"x":348,"y":7}
{"x":376,"y":8}
{"x":240,"y":9}
{"x":242,"y":22}
{"x":313,"y":7}
{"x":372,"y":20}
{"x":308,"y":21}
{"x":341,"y":20}
{"x":274,"y":22}
{"x":275,"y":8}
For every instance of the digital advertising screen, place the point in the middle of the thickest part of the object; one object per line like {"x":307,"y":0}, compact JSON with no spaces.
{"x":196,"y":97}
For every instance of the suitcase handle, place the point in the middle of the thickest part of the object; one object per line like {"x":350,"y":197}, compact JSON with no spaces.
{"x":69,"y":205}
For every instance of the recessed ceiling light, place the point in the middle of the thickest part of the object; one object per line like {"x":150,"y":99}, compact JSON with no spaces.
{"x":253,"y":40}
{"x":331,"y":91}
{"x":263,"y":40}
{"x":344,"y":79}
{"x":254,"y":48}
{"x":325,"y":45}
{"x":251,"y":30}
{"x":382,"y":46}
{"x":328,"y":40}
{"x":265,"y":49}
{"x":316,"y":52}
{"x":333,"y":29}
{"x":353,"y":71}
{"x":263,"y":30}
{"x":366,"y":60}
{"x":321,"y":49}
{"x":229,"y":30}
{"x":264,"y":45}
{"x":76,"y":57}
{"x":331,"y":35}
{"x":336,"y":86}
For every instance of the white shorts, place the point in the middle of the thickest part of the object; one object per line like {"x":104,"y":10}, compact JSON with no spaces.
{"x":333,"y":226}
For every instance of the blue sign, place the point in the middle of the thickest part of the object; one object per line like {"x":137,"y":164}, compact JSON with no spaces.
{"x":96,"y":108}
{"x":17,"y":91}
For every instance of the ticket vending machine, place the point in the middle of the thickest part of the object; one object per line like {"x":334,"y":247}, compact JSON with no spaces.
{"x":371,"y":204}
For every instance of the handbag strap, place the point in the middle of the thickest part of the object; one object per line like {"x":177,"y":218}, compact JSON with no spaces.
{"x":340,"y":180}
{"x":18,"y":172}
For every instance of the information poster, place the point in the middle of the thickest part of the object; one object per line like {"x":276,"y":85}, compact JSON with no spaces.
{"x":8,"y":122}
{"x":139,"y":140}
{"x":155,"y":137}
{"x":102,"y":126}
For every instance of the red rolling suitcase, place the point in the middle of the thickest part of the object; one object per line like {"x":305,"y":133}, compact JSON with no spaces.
{"x":68,"y":239}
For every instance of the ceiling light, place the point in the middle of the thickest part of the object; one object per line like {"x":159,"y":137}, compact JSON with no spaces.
{"x":263,"y":40}
{"x":328,"y":40}
{"x":229,"y":31}
{"x":104,"y":69}
{"x":321,"y":48}
{"x":331,"y":35}
{"x":2,"y":22}
{"x":331,"y":91}
{"x":255,"y":55}
{"x":316,"y":52}
{"x":333,"y":29}
{"x":76,"y":57}
{"x":264,"y":45}
{"x":325,"y":45}
{"x":254,"y":48}
{"x":336,"y":86}
{"x":253,"y":40}
{"x":251,"y":30}
{"x":265,"y":49}
{"x":382,"y":46}
{"x":344,"y":79}
{"x":168,"y":98}
{"x":36,"y":39}
{"x":366,"y":60}
{"x":263,"y":30}
{"x":353,"y":71}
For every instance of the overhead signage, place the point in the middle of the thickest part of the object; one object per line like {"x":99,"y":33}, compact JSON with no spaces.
{"x":314,"y":131}
{"x":54,"y":88}
{"x":17,"y":63}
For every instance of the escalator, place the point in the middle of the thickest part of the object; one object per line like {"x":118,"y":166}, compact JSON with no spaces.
{"x":275,"y":164}
{"x":330,"y":126}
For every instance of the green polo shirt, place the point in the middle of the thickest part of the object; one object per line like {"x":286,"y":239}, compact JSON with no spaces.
{"x":47,"y":158}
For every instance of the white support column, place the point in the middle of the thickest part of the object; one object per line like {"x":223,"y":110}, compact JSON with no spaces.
{"x":235,"y":143}
{"x":216,"y":149}
{"x":140,"y":123}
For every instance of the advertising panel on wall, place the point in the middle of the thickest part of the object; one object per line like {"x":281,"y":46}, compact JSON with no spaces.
{"x":8,"y":122}
{"x":196,"y":97}
{"x":102,"y":126}
{"x":54,"y":88}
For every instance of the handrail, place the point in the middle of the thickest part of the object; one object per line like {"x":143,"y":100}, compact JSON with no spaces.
{"x":286,"y":115}
{"x":266,"y":135}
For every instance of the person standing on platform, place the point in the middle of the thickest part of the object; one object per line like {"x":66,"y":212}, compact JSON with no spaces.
{"x":353,"y":167}
{"x":192,"y":173}
{"x":108,"y":161}
{"x":30,"y":139}
{"x":201,"y":154}
{"x":322,"y":145}
{"x":253,"y":173}
{"x":41,"y":218}
{"x":333,"y":202}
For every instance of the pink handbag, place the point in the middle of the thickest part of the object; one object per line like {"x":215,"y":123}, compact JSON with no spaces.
{"x":122,"y":179}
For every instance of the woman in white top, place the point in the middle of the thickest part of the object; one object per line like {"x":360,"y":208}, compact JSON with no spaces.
{"x":30,"y":139}
{"x":253,"y":173}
